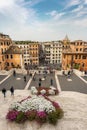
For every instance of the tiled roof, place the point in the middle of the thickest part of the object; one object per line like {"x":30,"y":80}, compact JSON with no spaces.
{"x":13,"y":49}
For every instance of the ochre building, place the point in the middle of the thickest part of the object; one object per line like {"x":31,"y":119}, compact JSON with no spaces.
{"x":13,"y":57}
{"x":74,"y":55}
{"x":5,"y":42}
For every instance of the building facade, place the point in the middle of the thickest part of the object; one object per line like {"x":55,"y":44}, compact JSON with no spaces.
{"x":30,"y":53}
{"x":13,"y":57}
{"x":5,"y":42}
{"x":74,"y":55}
{"x":53,"y":52}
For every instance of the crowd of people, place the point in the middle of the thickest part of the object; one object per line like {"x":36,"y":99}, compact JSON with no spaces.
{"x":34,"y":78}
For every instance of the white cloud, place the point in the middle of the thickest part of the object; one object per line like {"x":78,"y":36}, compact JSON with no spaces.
{"x":39,"y":31}
{"x":15,"y":12}
{"x":4,"y":3}
{"x":24,"y":23}
{"x":31,"y":2}
{"x":85,"y":1}
{"x":79,"y":8}
{"x":49,"y":30}
{"x":73,"y":3}
{"x":80,"y":12}
{"x":55,"y":14}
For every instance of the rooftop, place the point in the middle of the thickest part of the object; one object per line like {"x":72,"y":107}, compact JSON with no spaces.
{"x":13,"y":49}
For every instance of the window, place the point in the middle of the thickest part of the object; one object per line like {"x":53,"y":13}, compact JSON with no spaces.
{"x":1,"y":50}
{"x":76,"y":57}
{"x":7,"y":43}
{"x":76,"y":49}
{"x":2,"y":58}
{"x":7,"y":56}
{"x":7,"y":64}
{"x":1,"y":43}
{"x":81,"y":43}
{"x":79,"y":56}
{"x":84,"y":56}
{"x":59,"y":61}
{"x":80,"y":49}
{"x":12,"y":64}
{"x":83,"y":64}
{"x":77,"y":43}
{"x":11,"y":56}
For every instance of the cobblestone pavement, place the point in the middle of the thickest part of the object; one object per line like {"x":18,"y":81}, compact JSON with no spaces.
{"x":73,"y":83}
{"x":17,"y":82}
{"x":2,"y":77}
{"x":44,"y":83}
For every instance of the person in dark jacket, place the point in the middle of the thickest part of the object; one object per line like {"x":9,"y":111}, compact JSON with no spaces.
{"x":39,"y":84}
{"x":4,"y":92}
{"x":51,"y":81}
{"x":12,"y":90}
{"x":25,"y":78}
{"x":14,"y":73}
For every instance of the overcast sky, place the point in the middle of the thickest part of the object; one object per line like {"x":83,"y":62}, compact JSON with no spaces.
{"x":44,"y":20}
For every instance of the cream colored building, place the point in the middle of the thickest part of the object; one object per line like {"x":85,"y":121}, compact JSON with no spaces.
{"x":30,"y":53}
{"x":53,"y":52}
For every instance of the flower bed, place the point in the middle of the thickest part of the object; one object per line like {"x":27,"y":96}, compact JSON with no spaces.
{"x":44,"y":91}
{"x":39,"y":108}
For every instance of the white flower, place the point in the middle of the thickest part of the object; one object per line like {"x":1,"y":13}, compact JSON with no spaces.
{"x":38,"y":103}
{"x":43,"y":91}
{"x":52,"y":92}
{"x":52,"y":87}
{"x":33,"y":87}
{"x":34,"y":90}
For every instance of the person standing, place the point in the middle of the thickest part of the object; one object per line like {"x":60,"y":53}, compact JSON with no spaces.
{"x":34,"y":78}
{"x":4,"y":92}
{"x":12,"y":90}
{"x":25,"y":78}
{"x":39,"y":84}
{"x":51,"y":81}
{"x":39,"y":79}
{"x":14,"y":73}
